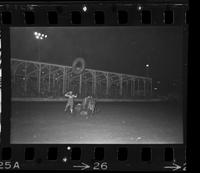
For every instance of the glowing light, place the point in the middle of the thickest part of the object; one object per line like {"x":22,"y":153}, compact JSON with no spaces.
{"x":40,"y":35}
{"x":68,"y":148}
{"x":147,"y":65}
{"x":64,"y":159}
{"x":84,"y":8}
{"x":139,"y":7}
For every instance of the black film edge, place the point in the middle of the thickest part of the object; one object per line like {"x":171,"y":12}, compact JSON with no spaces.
{"x":124,"y":110}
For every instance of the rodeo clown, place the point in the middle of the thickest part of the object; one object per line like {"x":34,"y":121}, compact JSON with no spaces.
{"x":70,"y":102}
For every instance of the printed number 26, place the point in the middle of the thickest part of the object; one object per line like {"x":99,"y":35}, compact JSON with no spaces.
{"x":100,"y":166}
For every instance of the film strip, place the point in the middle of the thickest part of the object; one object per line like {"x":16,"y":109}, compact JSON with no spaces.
{"x":105,"y":13}
{"x":100,"y":128}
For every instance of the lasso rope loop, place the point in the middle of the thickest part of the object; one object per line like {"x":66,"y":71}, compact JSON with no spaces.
{"x":76,"y":69}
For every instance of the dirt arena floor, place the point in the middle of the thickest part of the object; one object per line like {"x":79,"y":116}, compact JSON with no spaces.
{"x":114,"y":123}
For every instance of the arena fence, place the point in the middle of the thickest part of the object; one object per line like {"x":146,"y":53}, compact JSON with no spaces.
{"x":39,"y":80}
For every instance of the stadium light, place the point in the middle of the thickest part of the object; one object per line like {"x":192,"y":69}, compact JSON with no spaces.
{"x":39,"y":36}
{"x":147,"y":69}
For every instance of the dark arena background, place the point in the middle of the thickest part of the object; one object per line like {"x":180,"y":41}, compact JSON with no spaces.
{"x":134,"y":74}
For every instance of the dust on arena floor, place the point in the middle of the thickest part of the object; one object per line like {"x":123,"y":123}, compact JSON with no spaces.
{"x":113,"y":123}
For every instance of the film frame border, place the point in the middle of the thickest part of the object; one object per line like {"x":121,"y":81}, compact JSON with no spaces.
{"x":111,"y":17}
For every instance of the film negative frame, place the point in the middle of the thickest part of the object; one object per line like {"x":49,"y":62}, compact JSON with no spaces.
{"x":136,"y":157}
